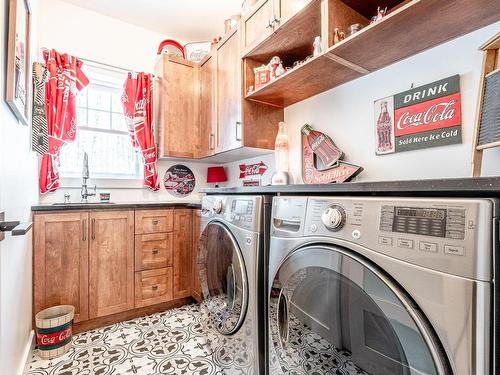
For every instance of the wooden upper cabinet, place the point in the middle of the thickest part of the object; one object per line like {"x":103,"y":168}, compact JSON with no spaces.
{"x":258,"y":24}
{"x":60,"y":262}
{"x":229,"y":95}
{"x":177,"y":107}
{"x":183,"y":231}
{"x":111,"y":262}
{"x":286,"y":9}
{"x":208,"y":110}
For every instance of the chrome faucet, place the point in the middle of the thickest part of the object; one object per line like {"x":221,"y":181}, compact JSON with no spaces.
{"x":85,"y":177}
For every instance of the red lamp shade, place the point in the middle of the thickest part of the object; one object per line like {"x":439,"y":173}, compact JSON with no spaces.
{"x":216,"y":174}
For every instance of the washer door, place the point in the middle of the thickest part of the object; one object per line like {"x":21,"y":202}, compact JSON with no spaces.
{"x":223,"y":278}
{"x":333,"y":312}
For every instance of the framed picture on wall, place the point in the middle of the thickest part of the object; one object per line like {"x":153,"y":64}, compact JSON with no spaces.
{"x":18,"y":59}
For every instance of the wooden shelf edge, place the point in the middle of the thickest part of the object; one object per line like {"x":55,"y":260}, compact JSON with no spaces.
{"x":255,"y":94}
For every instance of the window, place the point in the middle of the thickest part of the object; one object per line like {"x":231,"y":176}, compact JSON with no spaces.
{"x":102,"y":131}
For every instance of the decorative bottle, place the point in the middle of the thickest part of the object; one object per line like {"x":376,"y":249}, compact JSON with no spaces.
{"x":322,"y":146}
{"x":281,"y":153}
{"x":384,"y":129}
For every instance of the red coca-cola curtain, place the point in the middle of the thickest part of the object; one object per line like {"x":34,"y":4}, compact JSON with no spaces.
{"x":66,"y":80}
{"x":137,"y":103}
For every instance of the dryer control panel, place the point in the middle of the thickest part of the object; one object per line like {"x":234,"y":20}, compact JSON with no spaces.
{"x":451,"y":235}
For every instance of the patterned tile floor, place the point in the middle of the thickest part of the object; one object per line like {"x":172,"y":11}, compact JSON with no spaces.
{"x":171,"y":342}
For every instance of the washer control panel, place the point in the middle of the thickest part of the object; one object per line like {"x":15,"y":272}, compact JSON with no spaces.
{"x":452,"y":235}
{"x":426,"y":221}
{"x":242,"y":211}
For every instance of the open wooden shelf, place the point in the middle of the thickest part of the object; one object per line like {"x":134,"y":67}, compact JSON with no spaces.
{"x":313,"y":77}
{"x":293,"y":39}
{"x":412,"y":28}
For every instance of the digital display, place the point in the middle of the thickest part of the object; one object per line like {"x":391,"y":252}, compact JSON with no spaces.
{"x":421,"y":213}
{"x":242,"y":207}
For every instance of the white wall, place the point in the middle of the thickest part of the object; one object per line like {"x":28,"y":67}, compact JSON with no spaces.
{"x":94,"y":36}
{"x":18,"y":191}
{"x":346,"y":113}
{"x":90,"y":35}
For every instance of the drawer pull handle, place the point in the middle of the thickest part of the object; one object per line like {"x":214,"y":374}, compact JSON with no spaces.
{"x":154,"y":287}
{"x":156,"y":251}
{"x":155,"y":221}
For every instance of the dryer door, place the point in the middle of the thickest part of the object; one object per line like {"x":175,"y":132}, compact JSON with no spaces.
{"x":223,"y":278}
{"x":333,"y":312}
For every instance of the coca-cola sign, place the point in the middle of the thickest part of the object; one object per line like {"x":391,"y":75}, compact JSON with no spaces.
{"x":252,"y":169}
{"x":425,"y":116}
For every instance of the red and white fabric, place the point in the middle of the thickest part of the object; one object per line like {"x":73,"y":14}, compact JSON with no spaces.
{"x":66,"y":80}
{"x":137,"y":100}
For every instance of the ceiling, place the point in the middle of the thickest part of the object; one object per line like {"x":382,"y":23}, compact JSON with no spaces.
{"x":185,"y":20}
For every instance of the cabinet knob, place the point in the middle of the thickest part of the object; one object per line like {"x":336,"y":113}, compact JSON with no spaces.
{"x":155,"y":221}
{"x":156,"y":251}
{"x":154,"y":287}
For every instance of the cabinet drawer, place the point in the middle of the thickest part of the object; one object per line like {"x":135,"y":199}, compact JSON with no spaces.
{"x":153,"y":251}
{"x":153,"y":221}
{"x":152,"y":287}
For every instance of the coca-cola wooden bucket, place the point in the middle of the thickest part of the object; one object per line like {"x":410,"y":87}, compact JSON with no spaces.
{"x":54,"y":329}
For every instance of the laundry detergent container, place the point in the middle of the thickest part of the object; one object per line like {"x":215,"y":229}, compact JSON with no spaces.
{"x":54,"y":330}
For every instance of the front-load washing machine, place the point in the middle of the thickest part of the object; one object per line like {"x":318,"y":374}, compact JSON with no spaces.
{"x":382,"y":286}
{"x":233,"y":274}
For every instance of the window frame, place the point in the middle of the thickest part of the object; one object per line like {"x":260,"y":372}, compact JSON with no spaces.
{"x":106,"y":181}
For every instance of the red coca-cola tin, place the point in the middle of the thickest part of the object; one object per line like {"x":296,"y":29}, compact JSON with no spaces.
{"x":54,"y":330}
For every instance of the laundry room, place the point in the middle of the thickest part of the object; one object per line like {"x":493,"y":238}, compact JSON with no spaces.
{"x":250,"y":187}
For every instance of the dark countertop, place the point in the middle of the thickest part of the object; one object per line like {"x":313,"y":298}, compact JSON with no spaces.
{"x":464,"y":187}
{"x":117,"y":205}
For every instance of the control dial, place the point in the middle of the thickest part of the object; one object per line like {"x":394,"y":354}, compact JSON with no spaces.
{"x":217,"y":206}
{"x":333,"y":217}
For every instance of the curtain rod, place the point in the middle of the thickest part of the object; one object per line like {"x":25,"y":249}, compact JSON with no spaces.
{"x":102,"y":64}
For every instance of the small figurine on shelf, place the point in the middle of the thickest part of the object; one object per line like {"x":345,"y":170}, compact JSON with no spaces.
{"x":381,"y":13}
{"x":338,"y":35}
{"x":273,"y":66}
{"x":317,"y":46}
{"x":280,"y":70}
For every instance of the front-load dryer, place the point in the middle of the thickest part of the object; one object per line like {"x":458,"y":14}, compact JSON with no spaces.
{"x":233,"y":274}
{"x":381,"y":286}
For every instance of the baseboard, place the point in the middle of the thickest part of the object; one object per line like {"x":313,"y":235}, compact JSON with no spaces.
{"x":28,"y":352}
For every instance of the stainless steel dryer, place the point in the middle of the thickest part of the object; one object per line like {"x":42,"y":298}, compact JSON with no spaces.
{"x":382,"y":286}
{"x":233,"y":275}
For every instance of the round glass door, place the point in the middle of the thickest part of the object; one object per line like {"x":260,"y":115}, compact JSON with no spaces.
{"x":332,"y":312}
{"x":223,"y":278}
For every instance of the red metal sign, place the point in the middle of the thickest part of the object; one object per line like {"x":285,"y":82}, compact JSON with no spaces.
{"x":312,"y":173}
{"x":252,"y":169}
{"x":431,"y":115}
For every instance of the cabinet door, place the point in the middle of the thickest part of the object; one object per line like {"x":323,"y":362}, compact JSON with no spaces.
{"x":286,"y":9}
{"x":207,"y":109}
{"x":257,"y":25}
{"x":60,"y":262}
{"x":196,"y":285}
{"x":179,"y":123}
{"x":183,"y":231}
{"x":111,"y":260}
{"x":229,"y":96}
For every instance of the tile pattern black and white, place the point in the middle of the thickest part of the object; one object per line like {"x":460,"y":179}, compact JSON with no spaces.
{"x":171,"y":342}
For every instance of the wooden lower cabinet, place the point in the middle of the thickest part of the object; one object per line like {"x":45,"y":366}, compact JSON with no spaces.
{"x":108,"y":263}
{"x":196,"y":292}
{"x":60,"y":262}
{"x":153,"y":286}
{"x":111,"y":262}
{"x":183,"y":231}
